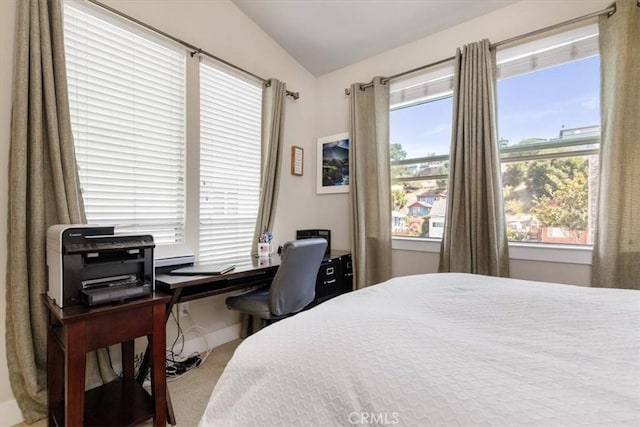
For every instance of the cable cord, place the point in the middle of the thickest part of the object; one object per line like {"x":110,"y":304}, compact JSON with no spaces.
{"x":178,"y":366}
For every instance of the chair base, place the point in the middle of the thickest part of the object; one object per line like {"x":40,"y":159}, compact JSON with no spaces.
{"x":251,"y":324}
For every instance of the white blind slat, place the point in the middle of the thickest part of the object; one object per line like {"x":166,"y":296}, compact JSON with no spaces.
{"x":126,"y":94}
{"x":230,"y":129}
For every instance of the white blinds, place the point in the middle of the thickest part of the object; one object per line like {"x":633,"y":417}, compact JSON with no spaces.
{"x":432,"y":84}
{"x":230,"y":126}
{"x":547,"y":52}
{"x":437,"y":82}
{"x":126,"y":92}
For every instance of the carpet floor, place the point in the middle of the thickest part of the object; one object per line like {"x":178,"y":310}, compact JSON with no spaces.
{"x":190,"y":393}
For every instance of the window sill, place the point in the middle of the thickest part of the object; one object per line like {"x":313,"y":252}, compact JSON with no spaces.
{"x":569,"y":254}
{"x":172,"y":251}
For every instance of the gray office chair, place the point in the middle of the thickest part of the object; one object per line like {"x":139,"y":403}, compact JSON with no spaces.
{"x":292,"y":288}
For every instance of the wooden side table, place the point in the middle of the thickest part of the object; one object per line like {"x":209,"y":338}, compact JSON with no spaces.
{"x":76,"y":330}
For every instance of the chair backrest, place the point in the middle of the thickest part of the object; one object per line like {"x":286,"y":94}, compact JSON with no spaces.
{"x":294,"y":285}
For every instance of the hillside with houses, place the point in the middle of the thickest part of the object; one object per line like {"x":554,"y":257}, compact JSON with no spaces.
{"x":548,"y":195}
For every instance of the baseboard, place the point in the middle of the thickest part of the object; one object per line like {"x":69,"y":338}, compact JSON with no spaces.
{"x":11,"y":414}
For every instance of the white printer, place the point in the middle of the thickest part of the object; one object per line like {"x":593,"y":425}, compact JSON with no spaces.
{"x":92,"y":265}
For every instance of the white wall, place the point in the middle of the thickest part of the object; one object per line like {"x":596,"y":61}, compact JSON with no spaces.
{"x":222,"y":29}
{"x":502,"y":24}
{"x":413,"y":262}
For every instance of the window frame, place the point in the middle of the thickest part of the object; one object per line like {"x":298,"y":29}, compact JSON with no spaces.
{"x":545,"y":252}
{"x":533,"y":251}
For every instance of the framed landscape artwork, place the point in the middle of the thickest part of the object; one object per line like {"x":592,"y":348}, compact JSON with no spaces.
{"x":333,"y":164}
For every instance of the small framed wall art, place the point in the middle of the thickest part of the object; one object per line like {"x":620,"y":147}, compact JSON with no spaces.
{"x":332,"y":174}
{"x":297,"y":160}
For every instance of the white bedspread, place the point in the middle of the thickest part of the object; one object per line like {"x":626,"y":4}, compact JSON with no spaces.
{"x":442,"y":349}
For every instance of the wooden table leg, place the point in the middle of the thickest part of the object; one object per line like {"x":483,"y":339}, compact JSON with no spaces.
{"x":127,"y":352}
{"x":144,"y":366}
{"x":157,"y":342}
{"x":75,"y":365}
{"x":146,"y":360}
{"x":171,"y":416}
{"x":55,"y":378}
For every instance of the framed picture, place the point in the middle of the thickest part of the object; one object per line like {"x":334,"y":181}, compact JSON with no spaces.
{"x":297,"y":160}
{"x":333,"y":164}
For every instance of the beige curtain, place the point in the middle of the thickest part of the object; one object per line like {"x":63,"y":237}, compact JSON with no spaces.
{"x":475,"y":238}
{"x":370,"y":183}
{"x":616,"y":249}
{"x":43,"y":190}
{"x":273,"y":106}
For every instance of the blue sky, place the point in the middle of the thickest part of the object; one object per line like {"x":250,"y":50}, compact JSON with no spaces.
{"x":534,"y":105}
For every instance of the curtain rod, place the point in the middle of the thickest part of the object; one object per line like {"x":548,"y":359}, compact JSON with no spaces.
{"x":194,"y":50}
{"x":608,"y":11}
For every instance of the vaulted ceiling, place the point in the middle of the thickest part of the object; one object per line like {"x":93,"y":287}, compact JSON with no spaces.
{"x":326,"y":35}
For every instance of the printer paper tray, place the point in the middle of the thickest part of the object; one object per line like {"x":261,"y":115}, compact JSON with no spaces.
{"x":109,"y":294}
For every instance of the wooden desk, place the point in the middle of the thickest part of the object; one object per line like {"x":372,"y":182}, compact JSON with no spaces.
{"x":250,"y":272}
{"x":76,"y":330}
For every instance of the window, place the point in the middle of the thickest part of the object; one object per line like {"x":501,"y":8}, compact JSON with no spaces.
{"x":420,"y":138}
{"x":129,"y":108}
{"x":230,"y":126}
{"x":548,"y":130}
{"x":126,"y":94}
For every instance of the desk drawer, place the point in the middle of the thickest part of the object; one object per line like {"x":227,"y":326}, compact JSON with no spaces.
{"x":347,"y":273}
{"x":329,"y":279}
{"x":130,"y":324}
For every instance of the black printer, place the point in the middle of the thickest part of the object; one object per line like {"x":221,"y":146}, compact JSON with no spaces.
{"x":92,"y":265}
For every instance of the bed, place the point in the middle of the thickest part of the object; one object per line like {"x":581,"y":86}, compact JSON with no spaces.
{"x":442,"y":349}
